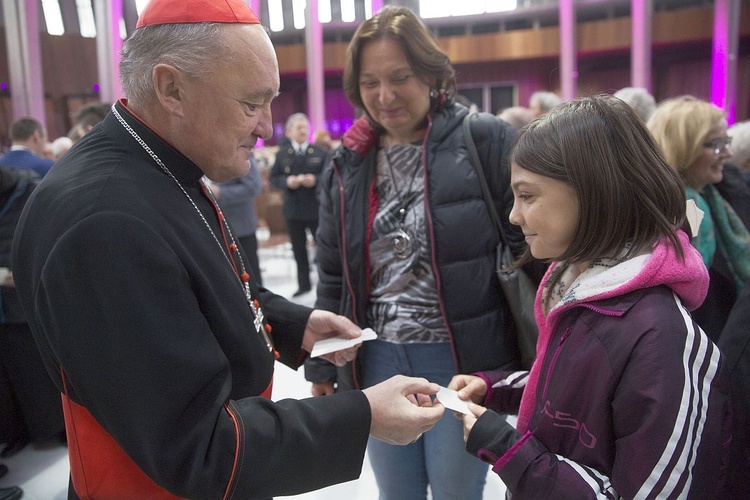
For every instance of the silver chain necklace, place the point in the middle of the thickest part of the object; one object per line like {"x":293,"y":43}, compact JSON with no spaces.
{"x":401,"y":242}
{"x":254,"y":305}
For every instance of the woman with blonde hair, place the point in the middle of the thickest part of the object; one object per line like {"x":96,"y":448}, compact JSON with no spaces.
{"x":692,"y":134}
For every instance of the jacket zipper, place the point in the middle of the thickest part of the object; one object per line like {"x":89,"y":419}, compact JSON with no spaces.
{"x":552,"y":363}
{"x":344,"y":265}
{"x":604,"y":312}
{"x":344,"y":260}
{"x":567,"y":333}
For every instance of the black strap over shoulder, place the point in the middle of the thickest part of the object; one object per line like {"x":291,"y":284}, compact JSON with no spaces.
{"x":491,"y":136}
{"x":477,"y":163}
{"x":518,"y":289}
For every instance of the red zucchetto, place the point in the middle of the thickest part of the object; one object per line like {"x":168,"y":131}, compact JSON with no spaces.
{"x":196,"y":11}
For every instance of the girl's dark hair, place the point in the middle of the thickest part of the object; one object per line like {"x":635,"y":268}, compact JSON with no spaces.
{"x":627,"y":192}
{"x":428,"y":61}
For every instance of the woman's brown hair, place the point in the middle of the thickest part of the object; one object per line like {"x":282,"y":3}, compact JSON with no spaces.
{"x":428,"y":61}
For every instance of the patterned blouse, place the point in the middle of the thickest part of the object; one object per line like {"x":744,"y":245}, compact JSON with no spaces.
{"x":403,"y":306}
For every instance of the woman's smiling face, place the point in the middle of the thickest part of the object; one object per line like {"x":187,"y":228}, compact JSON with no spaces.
{"x":392,"y":94}
{"x":708,"y":168}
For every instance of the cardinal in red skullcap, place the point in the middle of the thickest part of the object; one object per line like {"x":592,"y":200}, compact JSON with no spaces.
{"x":196,"y":11}
{"x":147,"y":314}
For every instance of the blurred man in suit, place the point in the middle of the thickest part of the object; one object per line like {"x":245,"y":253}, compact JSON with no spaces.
{"x":296,"y":171}
{"x":27,"y":150}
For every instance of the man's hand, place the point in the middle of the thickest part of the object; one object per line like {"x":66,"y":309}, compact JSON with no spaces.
{"x":293,"y":181}
{"x":324,"y":324}
{"x":322,"y":389}
{"x":470,"y":420}
{"x":309,"y":180}
{"x":402,"y":409}
{"x":469,"y":387}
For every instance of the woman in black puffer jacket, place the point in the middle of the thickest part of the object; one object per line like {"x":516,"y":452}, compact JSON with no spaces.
{"x":406,"y":246}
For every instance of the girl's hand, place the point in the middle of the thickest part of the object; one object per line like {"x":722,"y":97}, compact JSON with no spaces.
{"x":469,"y":387}
{"x":470,"y":420}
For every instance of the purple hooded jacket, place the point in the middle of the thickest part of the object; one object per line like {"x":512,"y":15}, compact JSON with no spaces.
{"x":627,"y":397}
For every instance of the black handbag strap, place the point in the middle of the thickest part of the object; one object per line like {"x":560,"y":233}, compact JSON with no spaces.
{"x":474,"y":157}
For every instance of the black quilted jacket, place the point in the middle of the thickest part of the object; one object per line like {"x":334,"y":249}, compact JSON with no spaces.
{"x":459,"y":229}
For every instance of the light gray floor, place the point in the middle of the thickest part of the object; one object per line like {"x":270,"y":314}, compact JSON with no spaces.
{"x":43,"y":473}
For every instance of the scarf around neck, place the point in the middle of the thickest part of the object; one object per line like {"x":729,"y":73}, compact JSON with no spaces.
{"x":721,"y":228}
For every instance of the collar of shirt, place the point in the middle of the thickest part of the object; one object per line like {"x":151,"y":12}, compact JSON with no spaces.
{"x":299,"y":147}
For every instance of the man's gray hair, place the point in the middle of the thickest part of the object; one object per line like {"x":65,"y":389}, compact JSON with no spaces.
{"x":294,"y":119}
{"x":195,"y":49}
{"x":545,"y":101}
{"x":639,"y":99}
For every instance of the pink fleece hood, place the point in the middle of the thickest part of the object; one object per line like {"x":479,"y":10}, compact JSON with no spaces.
{"x":688,"y":278}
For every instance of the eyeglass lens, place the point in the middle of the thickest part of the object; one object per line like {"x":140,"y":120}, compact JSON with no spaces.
{"x":719,"y":145}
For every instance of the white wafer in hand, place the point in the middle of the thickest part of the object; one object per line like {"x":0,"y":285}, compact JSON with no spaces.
{"x":334,"y":344}
{"x":449,"y":398}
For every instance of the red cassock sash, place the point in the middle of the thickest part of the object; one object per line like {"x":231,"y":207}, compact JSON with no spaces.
{"x":99,"y":467}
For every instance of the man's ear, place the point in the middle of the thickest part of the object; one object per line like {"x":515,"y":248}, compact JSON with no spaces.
{"x":169,"y":88}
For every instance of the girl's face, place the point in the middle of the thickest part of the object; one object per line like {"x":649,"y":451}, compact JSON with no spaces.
{"x":546,"y":211}
{"x":708,"y":168}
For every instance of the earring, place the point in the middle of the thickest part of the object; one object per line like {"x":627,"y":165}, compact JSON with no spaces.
{"x":434,"y":93}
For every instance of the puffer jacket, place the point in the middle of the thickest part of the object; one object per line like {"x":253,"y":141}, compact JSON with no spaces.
{"x":459,"y":229}
{"x":627,"y":398}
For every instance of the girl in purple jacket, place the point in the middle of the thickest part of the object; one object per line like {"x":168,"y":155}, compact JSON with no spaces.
{"x":627,"y":397}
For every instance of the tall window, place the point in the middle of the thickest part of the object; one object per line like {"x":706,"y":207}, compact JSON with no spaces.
{"x":490,"y":97}
{"x":325,"y":10}
{"x":86,"y":18}
{"x":446,"y":8}
{"x":298,"y":12}
{"x":348,"y":13}
{"x":501,"y":5}
{"x":53,"y":17}
{"x":275,"y":15}
{"x":140,"y":5}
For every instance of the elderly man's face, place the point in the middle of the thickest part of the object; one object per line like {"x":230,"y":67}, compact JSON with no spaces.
{"x":299,"y":132}
{"x":48,"y":152}
{"x":226,"y":112}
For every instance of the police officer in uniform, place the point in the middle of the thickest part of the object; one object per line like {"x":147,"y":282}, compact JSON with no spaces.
{"x":298,"y":166}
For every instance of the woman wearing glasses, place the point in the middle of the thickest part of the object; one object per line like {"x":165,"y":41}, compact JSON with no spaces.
{"x":693,"y":136}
